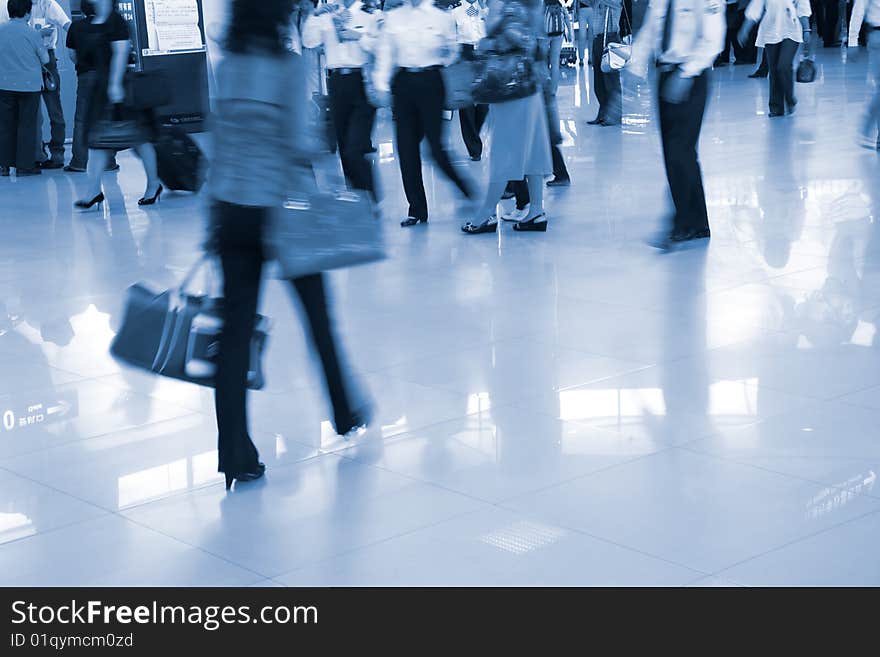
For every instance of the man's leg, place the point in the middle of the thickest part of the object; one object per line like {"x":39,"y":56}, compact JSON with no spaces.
{"x":52,"y":99}
{"x":408,"y":132}
{"x":28,"y":108}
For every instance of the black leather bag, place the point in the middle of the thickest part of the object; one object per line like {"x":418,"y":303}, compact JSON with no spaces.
{"x":176,"y":334}
{"x":806,"y":71}
{"x":50,"y":82}
{"x":500,"y":77}
{"x":117,"y":130}
{"x":146,"y":90}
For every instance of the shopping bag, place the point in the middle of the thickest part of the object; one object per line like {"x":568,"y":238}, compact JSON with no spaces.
{"x":176,"y":334}
{"x":319,"y":231}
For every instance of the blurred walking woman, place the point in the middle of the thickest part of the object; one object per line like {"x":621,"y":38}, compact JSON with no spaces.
{"x":784,"y":25}
{"x":259,"y":132}
{"x":109,"y":48}
{"x":520,"y":137}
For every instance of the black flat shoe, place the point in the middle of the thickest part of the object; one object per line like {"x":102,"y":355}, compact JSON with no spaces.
{"x":250,"y":475}
{"x":73,"y":169}
{"x":34,"y":171}
{"x":597,"y":121}
{"x":412,"y":221}
{"x":51,"y":164}
{"x":88,"y":205}
{"x":152,"y":200}
{"x":475,"y":229}
{"x":360,"y":419}
{"x":535,"y":224}
{"x":559,"y":182}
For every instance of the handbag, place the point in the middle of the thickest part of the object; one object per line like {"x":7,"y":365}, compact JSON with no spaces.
{"x":50,"y":82}
{"x":500,"y":77}
{"x":319,"y":231}
{"x":146,"y":90}
{"x":175,"y":334}
{"x":116,"y":131}
{"x":806,"y":69}
{"x":458,"y":82}
{"x":615,"y":55}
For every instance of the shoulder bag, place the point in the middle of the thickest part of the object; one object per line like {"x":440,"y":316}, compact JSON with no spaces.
{"x":615,"y":55}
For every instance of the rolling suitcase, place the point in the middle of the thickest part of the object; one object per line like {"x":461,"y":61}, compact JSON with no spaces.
{"x":180,"y":161}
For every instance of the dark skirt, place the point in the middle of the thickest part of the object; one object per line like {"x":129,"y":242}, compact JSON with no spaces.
{"x":100,"y":107}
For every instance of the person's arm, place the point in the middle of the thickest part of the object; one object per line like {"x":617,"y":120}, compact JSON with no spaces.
{"x":855,"y":22}
{"x":118,"y":64}
{"x":56,"y":15}
{"x":804,"y":12}
{"x":711,"y":41}
{"x":754,"y":12}
{"x":384,"y":63}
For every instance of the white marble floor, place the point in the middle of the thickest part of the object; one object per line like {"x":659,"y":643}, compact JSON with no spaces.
{"x":563,"y":408}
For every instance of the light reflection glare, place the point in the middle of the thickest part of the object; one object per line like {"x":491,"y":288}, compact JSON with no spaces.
{"x":14,"y":526}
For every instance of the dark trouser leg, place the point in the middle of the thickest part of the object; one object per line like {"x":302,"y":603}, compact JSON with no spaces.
{"x":408,"y":132}
{"x":8,"y":128}
{"x":559,"y":168}
{"x":52,"y":99}
{"x":777,"y":93}
{"x":521,"y":193}
{"x":85,"y":86}
{"x":598,"y":78}
{"x":431,"y":99}
{"x":470,"y":130}
{"x":611,"y":82}
{"x":241,"y":255}
{"x":832,"y":22}
{"x":314,"y":302}
{"x":353,"y":122}
{"x":785,"y":71}
{"x":28,"y":107}
{"x":680,"y":125}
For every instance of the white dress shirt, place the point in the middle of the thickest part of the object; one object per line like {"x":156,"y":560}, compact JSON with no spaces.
{"x":863,"y":10}
{"x":470,"y":21}
{"x":321,"y":30}
{"x":779,"y":20}
{"x":696,"y":36}
{"x":414,"y":37}
{"x":49,"y":13}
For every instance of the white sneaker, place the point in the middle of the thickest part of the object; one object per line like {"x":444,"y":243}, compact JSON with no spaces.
{"x":516,"y":215}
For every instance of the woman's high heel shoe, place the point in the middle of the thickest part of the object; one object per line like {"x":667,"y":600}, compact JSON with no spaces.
{"x":536,"y":223}
{"x":88,"y":205}
{"x":152,"y":200}
{"x":251,"y":475}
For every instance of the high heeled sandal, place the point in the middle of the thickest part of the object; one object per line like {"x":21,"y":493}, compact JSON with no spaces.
{"x":533,"y":224}
{"x":152,"y":200}
{"x":251,"y":475}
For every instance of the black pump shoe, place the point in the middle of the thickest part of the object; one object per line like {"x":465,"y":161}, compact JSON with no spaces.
{"x":251,"y":475}
{"x":152,"y":200}
{"x":88,"y":205}
{"x":538,"y":223}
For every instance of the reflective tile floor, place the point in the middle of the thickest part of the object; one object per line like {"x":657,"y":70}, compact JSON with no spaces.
{"x":567,"y":408}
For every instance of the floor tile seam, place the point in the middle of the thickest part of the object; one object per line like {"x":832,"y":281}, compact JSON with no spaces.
{"x":788,"y":544}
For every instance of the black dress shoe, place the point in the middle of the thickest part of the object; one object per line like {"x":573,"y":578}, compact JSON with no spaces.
{"x":35,"y":171}
{"x":70,"y":168}
{"x":773,"y":115}
{"x":558,"y":181}
{"x":51,"y":164}
{"x":251,"y":474}
{"x":597,"y":121}
{"x":412,"y":221}
{"x":476,"y":158}
{"x":689,"y":235}
{"x":760,"y":73}
{"x":4,"y":171}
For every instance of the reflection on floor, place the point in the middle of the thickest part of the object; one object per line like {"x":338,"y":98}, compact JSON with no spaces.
{"x":565,"y":408}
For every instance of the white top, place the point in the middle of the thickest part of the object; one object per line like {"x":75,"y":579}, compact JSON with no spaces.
{"x":779,"y":19}
{"x":348,"y":35}
{"x":414,"y":37}
{"x":470,"y":20}
{"x":696,"y":36}
{"x":863,"y":10}
{"x":48,"y":13}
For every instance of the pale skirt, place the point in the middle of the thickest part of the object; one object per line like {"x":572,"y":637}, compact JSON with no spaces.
{"x":520,"y":143}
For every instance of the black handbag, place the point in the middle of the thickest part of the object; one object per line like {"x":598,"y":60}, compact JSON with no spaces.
{"x":50,"y":82}
{"x":806,"y":71}
{"x":504,"y":76}
{"x":176,"y":334}
{"x":146,"y":90}
{"x":116,"y":131}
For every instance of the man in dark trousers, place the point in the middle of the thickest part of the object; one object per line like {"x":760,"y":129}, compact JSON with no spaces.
{"x":348,"y":32}
{"x":683,"y":38}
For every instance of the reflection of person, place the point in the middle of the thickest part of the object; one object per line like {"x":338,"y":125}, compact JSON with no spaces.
{"x":110,"y":48}
{"x":784,"y":24}
{"x":417,"y":41}
{"x":49,"y":19}
{"x":22,"y":55}
{"x":259,"y":123}
{"x":684,"y":64}
{"x":520,"y":138}
{"x":348,"y":32}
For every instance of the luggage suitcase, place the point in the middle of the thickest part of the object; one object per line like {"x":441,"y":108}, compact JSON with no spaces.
{"x":180,"y":161}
